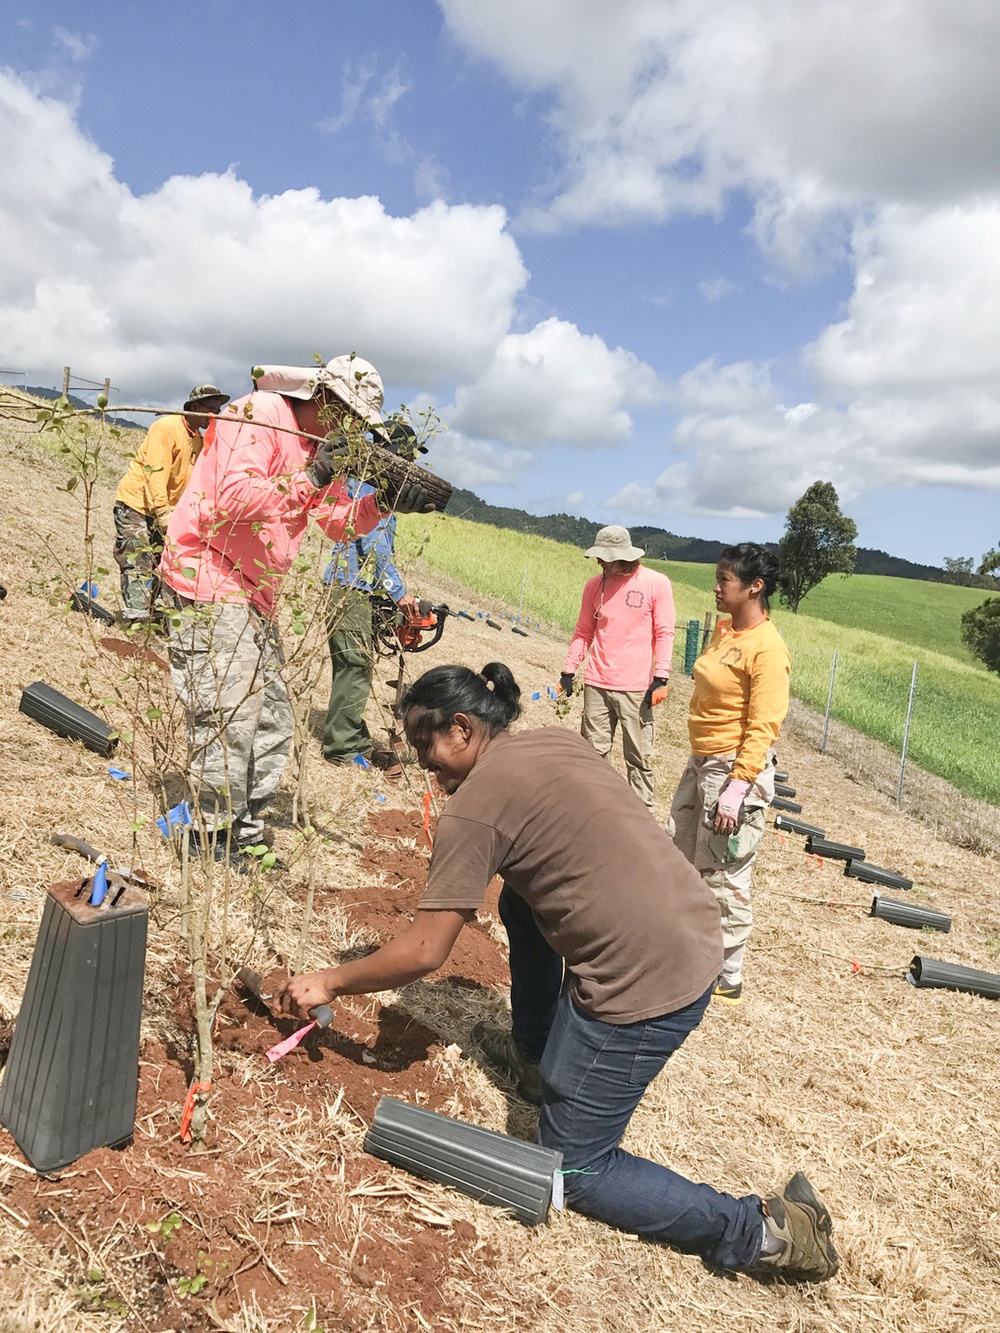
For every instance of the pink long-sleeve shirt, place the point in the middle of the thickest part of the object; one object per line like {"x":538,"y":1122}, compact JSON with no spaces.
{"x":241,"y":518}
{"x":627,"y":625}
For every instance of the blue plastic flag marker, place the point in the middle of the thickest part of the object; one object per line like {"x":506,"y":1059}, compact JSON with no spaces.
{"x":100,"y":885}
{"x":361,"y":761}
{"x":89,"y":589}
{"x":537,"y":695}
{"x":379,"y":797}
{"x":119,"y":774}
{"x":180,"y":814}
{"x":479,"y":614}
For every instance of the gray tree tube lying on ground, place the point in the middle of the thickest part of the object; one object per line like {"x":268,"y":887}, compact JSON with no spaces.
{"x":932,"y":973}
{"x":869,"y":874}
{"x":793,"y":807}
{"x":833,"y":851}
{"x":786,"y":825}
{"x":905,"y":914}
{"x":490,"y":1167}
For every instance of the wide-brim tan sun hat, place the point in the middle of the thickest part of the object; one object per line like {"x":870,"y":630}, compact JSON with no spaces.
{"x":352,"y":379}
{"x":615,"y":543}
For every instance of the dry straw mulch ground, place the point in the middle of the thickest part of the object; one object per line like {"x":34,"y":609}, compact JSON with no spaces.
{"x":834,"y":1064}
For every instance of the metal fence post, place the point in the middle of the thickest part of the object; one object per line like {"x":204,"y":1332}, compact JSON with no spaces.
{"x":906,"y":735}
{"x":829,"y":702}
{"x":691,"y":646}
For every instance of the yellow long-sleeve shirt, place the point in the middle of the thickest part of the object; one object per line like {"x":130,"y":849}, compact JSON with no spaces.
{"x":740,"y":695}
{"x":161,"y":467}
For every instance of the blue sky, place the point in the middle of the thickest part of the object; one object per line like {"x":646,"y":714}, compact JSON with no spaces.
{"x":651,"y":261}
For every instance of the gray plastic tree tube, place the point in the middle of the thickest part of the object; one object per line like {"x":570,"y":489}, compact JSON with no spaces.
{"x":869,"y":874}
{"x":905,"y":914}
{"x":780,"y":803}
{"x":931,"y":973}
{"x":787,"y":825}
{"x":834,"y":851}
{"x":490,"y":1167}
{"x":782,"y":789}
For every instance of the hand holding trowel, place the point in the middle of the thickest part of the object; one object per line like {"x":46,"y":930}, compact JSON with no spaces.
{"x":322,"y":1015}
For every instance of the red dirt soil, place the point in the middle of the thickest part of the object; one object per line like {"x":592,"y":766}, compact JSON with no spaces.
{"x":244,"y":1232}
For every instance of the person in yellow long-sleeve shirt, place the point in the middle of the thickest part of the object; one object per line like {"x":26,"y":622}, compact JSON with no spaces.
{"x":149,"y":490}
{"x":739,"y":702}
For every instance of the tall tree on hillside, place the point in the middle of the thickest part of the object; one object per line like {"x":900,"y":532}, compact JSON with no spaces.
{"x":981,"y":631}
{"x":818,"y":540}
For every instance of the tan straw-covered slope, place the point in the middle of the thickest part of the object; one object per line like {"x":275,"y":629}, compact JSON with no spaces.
{"x":884,"y":1094}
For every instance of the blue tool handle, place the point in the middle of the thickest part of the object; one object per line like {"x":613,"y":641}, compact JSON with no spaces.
{"x":99,"y":886}
{"x":323,"y":1015}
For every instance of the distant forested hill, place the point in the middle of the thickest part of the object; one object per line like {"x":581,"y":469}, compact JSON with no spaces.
{"x":657,"y":542}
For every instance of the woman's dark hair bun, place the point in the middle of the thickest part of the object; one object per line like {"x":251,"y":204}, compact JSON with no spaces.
{"x":491,"y":695}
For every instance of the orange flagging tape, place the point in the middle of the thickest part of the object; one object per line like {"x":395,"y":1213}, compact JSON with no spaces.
{"x":856,"y":966}
{"x":188,"y":1110}
{"x":427,"y":818}
{"x":781,"y":838}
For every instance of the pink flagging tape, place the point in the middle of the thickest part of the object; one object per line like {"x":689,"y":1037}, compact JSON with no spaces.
{"x":289,"y":1044}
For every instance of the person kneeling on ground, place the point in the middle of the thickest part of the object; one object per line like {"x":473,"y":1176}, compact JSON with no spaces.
{"x":545,"y":812}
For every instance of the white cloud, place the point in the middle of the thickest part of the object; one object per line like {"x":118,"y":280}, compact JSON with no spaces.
{"x":78,"y":46}
{"x":474,"y":463}
{"x":663,"y":108}
{"x":902,"y":392}
{"x":574,"y":500}
{"x":556,"y":385}
{"x":202,"y":278}
{"x":714,"y":289}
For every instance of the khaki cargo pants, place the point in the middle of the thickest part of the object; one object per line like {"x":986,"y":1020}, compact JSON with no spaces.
{"x":726,"y":869}
{"x":226,"y":662}
{"x":603,"y":711}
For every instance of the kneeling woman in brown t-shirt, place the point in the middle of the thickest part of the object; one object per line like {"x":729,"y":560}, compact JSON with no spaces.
{"x":592,"y":886}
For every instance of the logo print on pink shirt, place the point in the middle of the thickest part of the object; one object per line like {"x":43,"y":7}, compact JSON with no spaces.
{"x":634,"y":598}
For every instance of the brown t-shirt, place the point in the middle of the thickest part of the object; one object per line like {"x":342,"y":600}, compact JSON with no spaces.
{"x":638,"y":927}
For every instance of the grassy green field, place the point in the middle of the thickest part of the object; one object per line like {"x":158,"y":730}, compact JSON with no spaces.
{"x":878,"y":625}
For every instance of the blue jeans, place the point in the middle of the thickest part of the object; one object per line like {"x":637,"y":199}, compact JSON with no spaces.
{"x":594,"y":1075}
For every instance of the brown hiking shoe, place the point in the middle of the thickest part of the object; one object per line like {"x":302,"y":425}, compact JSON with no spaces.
{"x":799,"y":1217}
{"x":500,"y":1049}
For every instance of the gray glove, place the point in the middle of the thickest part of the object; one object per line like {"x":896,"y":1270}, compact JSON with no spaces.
{"x":411,"y":498}
{"x":325,"y":462}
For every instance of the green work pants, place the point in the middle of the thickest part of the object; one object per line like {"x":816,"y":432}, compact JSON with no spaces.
{"x":345,"y":732}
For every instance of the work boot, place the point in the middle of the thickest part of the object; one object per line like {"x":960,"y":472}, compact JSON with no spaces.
{"x":801,"y":1220}
{"x":729,"y":992}
{"x":387,"y":761}
{"x":501,"y":1050}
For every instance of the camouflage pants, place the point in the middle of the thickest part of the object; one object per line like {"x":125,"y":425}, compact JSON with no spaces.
{"x":725,"y":864}
{"x":603,"y":711}
{"x":226,"y":663}
{"x":138,"y":546}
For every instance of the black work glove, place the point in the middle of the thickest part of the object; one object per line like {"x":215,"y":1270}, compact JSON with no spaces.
{"x":656,"y":684}
{"x":411,"y":498}
{"x":325,"y":462}
{"x":566,"y":682}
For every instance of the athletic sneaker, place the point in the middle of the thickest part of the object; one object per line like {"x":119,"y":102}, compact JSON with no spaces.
{"x":729,"y":992}
{"x":797,"y":1216}
{"x":499,"y":1047}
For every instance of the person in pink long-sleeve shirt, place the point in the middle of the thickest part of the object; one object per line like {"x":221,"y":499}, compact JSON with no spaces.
{"x":229,"y":544}
{"x":626,"y":624}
